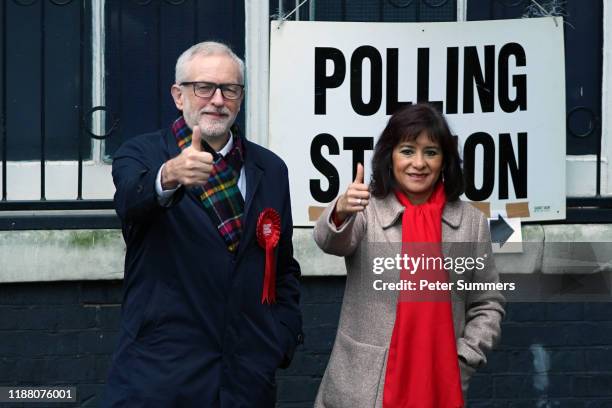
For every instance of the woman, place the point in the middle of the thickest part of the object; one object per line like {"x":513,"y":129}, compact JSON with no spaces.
{"x":390,"y":351}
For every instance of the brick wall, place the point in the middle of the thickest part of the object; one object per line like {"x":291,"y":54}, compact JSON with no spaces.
{"x":59,"y":333}
{"x":551,"y":355}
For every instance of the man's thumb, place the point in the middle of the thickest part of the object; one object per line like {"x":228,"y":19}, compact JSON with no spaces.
{"x":196,"y":138}
{"x":359,"y":174}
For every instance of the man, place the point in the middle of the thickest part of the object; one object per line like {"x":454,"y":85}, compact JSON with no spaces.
{"x":207,"y":318}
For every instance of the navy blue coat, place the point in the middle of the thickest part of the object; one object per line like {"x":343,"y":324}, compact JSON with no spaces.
{"x":194,"y":332}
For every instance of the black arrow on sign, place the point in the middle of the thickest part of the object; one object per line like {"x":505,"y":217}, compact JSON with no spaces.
{"x":500,"y":231}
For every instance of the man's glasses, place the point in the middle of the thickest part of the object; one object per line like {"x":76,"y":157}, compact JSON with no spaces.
{"x":208,"y":89}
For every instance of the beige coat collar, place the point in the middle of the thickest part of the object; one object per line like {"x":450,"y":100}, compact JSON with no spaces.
{"x":390,"y":211}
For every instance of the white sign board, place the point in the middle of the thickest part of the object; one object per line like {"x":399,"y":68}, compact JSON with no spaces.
{"x":501,"y":85}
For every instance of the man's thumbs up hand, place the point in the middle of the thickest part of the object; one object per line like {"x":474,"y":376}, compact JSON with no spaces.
{"x":196,"y":139}
{"x":190,"y":168}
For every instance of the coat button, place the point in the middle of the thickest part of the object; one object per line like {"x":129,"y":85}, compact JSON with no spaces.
{"x":300,"y":338}
{"x":140,"y":188}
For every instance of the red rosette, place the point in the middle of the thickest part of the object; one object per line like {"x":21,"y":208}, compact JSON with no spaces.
{"x":268,"y":235}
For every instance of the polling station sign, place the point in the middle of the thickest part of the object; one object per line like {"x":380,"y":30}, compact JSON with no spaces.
{"x":501,"y":85}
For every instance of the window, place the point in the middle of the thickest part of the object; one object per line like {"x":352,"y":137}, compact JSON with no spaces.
{"x":77,"y":78}
{"x":587,"y":163}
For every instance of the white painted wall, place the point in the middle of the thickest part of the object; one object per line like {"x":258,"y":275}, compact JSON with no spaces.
{"x":38,"y":256}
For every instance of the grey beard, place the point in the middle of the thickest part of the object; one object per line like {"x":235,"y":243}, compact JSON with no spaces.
{"x":216,"y":133}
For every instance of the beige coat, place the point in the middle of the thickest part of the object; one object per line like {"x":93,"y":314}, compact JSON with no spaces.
{"x":355,"y":374}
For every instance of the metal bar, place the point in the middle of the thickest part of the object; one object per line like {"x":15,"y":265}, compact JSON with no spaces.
{"x":55,"y":222}
{"x":158,"y":66}
{"x":311,"y":10}
{"x":583,"y":210}
{"x":42,"y":100}
{"x":295,"y":11}
{"x":598,"y":169}
{"x":119,"y":111}
{"x":195,"y":22}
{"x":103,"y":23}
{"x":97,"y":97}
{"x":598,"y":164}
{"x":580,"y":216}
{"x":26,"y":205}
{"x":598,"y":202}
{"x":4,"y":108}
{"x":257,"y":53}
{"x":80,"y":109}
{"x":19,"y":205}
{"x":461,"y":10}
{"x":108,"y":221}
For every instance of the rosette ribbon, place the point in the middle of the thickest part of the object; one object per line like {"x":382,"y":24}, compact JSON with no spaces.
{"x":268,"y":235}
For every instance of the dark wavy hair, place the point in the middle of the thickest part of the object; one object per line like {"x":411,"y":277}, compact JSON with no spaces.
{"x":406,"y":124}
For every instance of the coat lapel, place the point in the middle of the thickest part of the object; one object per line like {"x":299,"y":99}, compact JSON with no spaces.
{"x":172,"y":150}
{"x":253,"y":172}
{"x":171,"y":146}
{"x":390,"y":212}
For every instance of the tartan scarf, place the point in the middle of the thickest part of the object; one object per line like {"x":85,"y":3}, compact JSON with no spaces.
{"x":422,"y":364}
{"x":220,"y":195}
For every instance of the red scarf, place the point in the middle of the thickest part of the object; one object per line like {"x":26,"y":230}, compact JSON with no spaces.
{"x":422,"y":365}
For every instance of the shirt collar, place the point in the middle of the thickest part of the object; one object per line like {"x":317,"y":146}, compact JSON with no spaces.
{"x":228,"y":146}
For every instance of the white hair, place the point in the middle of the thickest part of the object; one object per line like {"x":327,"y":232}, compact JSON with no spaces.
{"x":205,"y":48}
